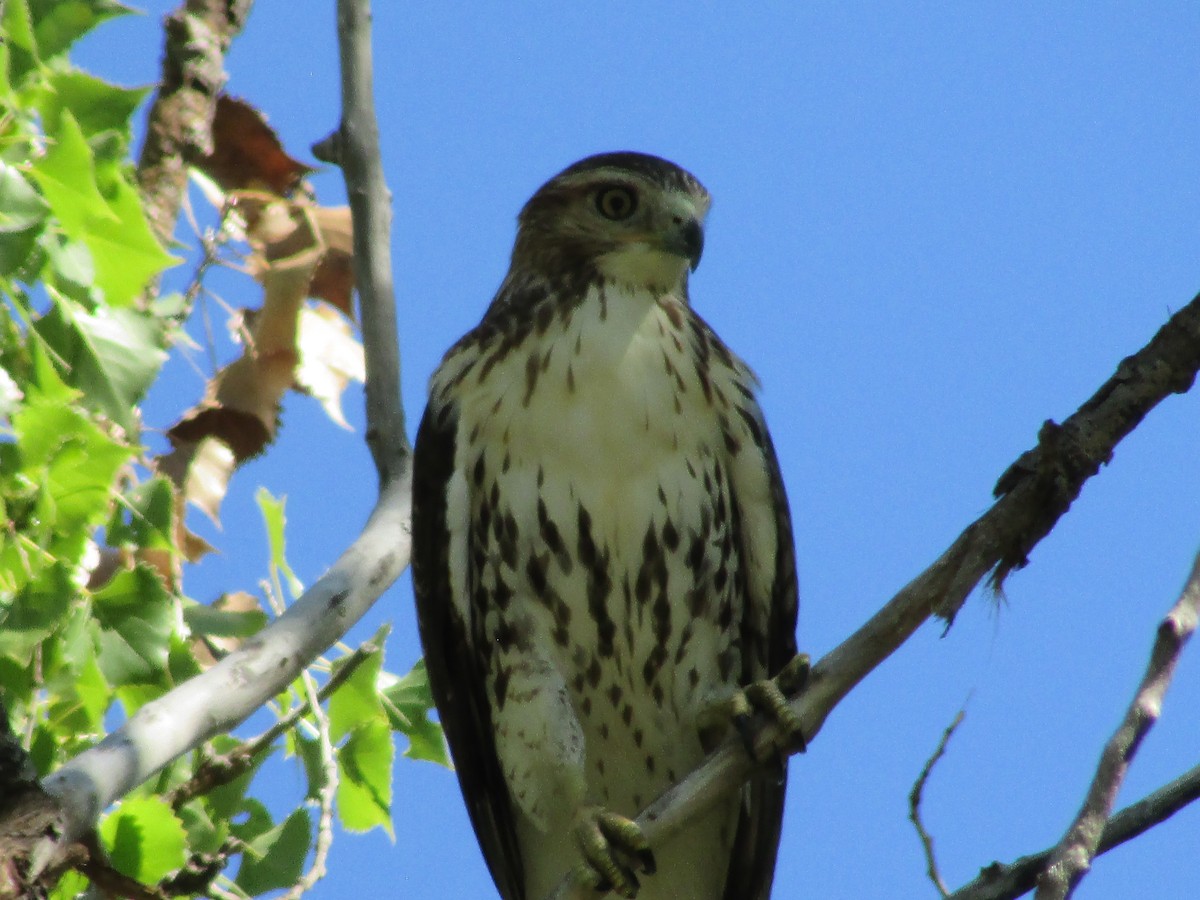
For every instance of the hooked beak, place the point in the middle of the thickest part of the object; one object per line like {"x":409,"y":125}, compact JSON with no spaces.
{"x":687,"y":240}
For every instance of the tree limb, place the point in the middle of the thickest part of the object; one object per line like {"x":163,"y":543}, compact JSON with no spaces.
{"x":1072,"y":857}
{"x":355,"y":147}
{"x":1005,"y":882}
{"x":219,"y":699}
{"x":179,"y":129}
{"x":914,"y":804}
{"x":1033,"y":494}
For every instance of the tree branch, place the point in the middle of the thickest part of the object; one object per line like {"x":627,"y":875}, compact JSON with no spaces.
{"x":179,"y":129}
{"x":914,"y":804}
{"x":1073,"y":856}
{"x":1005,"y":882}
{"x":1033,"y":494}
{"x":355,"y":147}
{"x":219,"y":699}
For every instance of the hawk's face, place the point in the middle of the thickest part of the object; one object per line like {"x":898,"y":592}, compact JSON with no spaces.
{"x":639,"y":225}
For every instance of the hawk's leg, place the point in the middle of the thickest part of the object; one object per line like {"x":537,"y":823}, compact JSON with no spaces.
{"x":613,"y":846}
{"x":770,"y":697}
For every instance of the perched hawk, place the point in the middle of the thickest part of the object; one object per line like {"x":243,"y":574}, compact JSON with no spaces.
{"x":602,"y":551}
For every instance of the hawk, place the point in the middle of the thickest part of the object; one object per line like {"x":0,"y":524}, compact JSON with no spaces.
{"x":602,"y":549}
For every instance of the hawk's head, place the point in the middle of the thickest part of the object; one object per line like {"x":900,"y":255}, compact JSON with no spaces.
{"x":627,"y":217}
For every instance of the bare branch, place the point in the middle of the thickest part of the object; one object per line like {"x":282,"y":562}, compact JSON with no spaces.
{"x":914,"y":804}
{"x":1073,"y":856}
{"x":1005,"y":882}
{"x":179,"y":129}
{"x":1033,"y":494}
{"x":355,"y":147}
{"x":325,"y":796}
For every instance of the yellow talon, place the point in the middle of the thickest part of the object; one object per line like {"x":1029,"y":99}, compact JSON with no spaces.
{"x":602,"y":835}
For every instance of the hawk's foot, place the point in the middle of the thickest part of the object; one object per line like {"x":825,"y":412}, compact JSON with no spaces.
{"x":612,"y":847}
{"x":770,"y":697}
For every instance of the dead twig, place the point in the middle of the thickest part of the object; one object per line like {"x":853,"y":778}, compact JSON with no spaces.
{"x":1072,"y":858}
{"x":914,"y":804}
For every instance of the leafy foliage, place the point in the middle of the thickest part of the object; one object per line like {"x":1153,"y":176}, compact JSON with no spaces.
{"x":94,"y":621}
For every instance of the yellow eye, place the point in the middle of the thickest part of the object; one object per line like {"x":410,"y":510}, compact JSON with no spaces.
{"x":616,"y":202}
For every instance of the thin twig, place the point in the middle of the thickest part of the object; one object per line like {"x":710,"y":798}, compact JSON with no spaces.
{"x":914,"y":804}
{"x":325,"y":796}
{"x":1072,"y":858}
{"x":355,"y":147}
{"x":218,"y":770}
{"x":999,"y":881}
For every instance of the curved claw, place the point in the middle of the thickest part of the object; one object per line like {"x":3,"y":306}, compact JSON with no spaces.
{"x":771,"y":697}
{"x":599,"y":833}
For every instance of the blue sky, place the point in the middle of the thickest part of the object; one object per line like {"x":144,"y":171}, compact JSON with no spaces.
{"x":934,"y":227}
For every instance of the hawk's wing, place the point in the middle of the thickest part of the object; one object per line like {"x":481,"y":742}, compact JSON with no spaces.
{"x":456,"y":666}
{"x":769,"y":639}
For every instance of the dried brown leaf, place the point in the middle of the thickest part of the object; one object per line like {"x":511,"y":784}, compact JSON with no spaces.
{"x":247,"y":153}
{"x":330,"y":358}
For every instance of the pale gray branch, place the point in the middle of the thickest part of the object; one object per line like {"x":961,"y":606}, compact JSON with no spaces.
{"x":1072,"y":857}
{"x":999,"y":881}
{"x":355,"y":147}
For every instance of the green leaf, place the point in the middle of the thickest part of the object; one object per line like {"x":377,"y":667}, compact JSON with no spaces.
{"x":112,"y":355}
{"x":70,"y":886}
{"x":144,"y":839}
{"x":72,"y":458}
{"x":275,"y":858}
{"x":124,"y":250}
{"x":204,"y":834}
{"x":126,"y":253}
{"x":357,"y":701}
{"x":97,"y":105}
{"x":67,"y":177}
{"x":150,"y":508}
{"x":66,"y":265}
{"x":364,"y":794}
{"x":204,"y":619}
{"x":275,"y":519}
{"x":308,"y":751}
{"x":21,"y":206}
{"x":71,"y":673}
{"x":35,"y":613}
{"x":227,"y":800}
{"x":19,"y":43}
{"x":408,"y":701}
{"x":59,"y":23}
{"x":136,"y":618}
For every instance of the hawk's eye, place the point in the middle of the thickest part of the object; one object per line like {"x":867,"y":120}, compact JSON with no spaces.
{"x":616,"y":202}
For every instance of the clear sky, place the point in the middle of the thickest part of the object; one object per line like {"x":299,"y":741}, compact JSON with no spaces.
{"x":934,"y":227}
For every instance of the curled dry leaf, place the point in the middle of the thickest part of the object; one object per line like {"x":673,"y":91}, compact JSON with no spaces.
{"x":333,"y":281}
{"x":247,"y":153}
{"x":330,"y":358}
{"x":290,"y":240}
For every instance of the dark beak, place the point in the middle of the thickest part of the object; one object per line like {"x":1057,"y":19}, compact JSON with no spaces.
{"x":691,"y":236}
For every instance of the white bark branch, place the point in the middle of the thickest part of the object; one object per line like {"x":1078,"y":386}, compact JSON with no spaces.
{"x":219,"y":699}
{"x":1072,"y":858}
